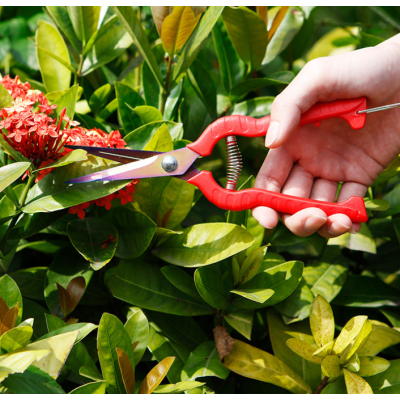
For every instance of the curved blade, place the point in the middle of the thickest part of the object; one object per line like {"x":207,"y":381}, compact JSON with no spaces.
{"x":147,"y":168}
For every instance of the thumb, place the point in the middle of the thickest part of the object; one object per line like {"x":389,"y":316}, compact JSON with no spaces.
{"x":312,"y":84}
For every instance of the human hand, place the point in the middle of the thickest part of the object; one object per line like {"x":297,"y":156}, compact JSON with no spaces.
{"x":309,"y":162}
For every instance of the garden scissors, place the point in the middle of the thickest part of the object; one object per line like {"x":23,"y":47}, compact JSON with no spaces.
{"x":179,"y":163}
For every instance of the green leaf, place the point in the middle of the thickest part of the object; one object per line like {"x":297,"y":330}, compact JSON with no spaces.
{"x":204,"y":244}
{"x":252,"y":264}
{"x":355,"y":384}
{"x":241,"y":321}
{"x":135,"y":231}
{"x":67,"y":100}
{"x":10,"y":293}
{"x":204,"y":361}
{"x":32,"y":381}
{"x":182,"y":330}
{"x":61,"y":18}
{"x":66,"y":266}
{"x":288,"y":28}
{"x":363,"y":241}
{"x":73,"y":156}
{"x":380,"y":338}
{"x":162,"y":347}
{"x":55,"y":75}
{"x":257,"y":107}
{"x":84,"y":20}
{"x":280,"y":333}
{"x":148,"y":114}
{"x":106,"y":48}
{"x":172,"y":101}
{"x":133,"y":26}
{"x":145,"y":286}
{"x":376,"y":204}
{"x":277,"y":78}
{"x":203,"y":85}
{"x":177,"y":387}
{"x":16,"y":155}
{"x":137,"y":328}
{"x":256,"y":364}
{"x":30,"y":282}
{"x":275,"y":283}
{"x":112,"y":335}
{"x":181,"y":280}
{"x":139,"y":138}
{"x":15,"y":338}
{"x":365,"y":291}
{"x":211,"y":287}
{"x":36,"y":312}
{"x":6,"y":99}
{"x":196,"y":40}
{"x":91,"y":388}
{"x":230,"y":65}
{"x":322,"y":322}
{"x":83,"y":329}
{"x":386,"y":382}
{"x":10,"y":173}
{"x":160,"y":141}
{"x":51,"y":193}
{"x":370,"y":366}
{"x":128,"y":99}
{"x":95,"y":239}
{"x":99,"y":98}
{"x":248,"y":33}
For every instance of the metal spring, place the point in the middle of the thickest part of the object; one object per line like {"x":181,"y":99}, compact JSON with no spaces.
{"x":233,"y":161}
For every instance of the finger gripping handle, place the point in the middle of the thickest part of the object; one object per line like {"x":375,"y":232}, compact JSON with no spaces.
{"x":247,"y":199}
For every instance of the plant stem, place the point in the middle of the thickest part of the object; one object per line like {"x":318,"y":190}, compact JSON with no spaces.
{"x":322,"y":385}
{"x":80,"y":65}
{"x":166,"y":93}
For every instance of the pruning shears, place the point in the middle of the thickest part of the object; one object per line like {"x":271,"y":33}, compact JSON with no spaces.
{"x":179,"y":163}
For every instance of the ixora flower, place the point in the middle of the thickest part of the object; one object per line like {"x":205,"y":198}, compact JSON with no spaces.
{"x":28,"y":127}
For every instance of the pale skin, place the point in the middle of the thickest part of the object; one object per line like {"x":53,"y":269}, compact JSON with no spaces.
{"x":308,"y":161}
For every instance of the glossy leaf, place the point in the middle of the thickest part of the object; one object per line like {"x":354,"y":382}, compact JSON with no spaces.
{"x":204,"y":244}
{"x":211,"y":287}
{"x":196,"y":40}
{"x":75,"y":155}
{"x":349,"y":333}
{"x":388,"y":381}
{"x":95,"y":239}
{"x":15,"y":338}
{"x":304,"y":350}
{"x":177,"y":27}
{"x":321,"y":321}
{"x":355,"y":384}
{"x":127,"y":371}
{"x":99,"y":98}
{"x":10,"y":173}
{"x":91,"y":388}
{"x":275,"y":283}
{"x":55,"y":75}
{"x":51,"y":193}
{"x":177,"y":387}
{"x":248,"y":33}
{"x":133,"y":26}
{"x":148,"y":114}
{"x":112,"y":335}
{"x":5,"y":98}
{"x":252,"y":264}
{"x":357,"y":344}
{"x":128,"y":99}
{"x":145,"y":286}
{"x":11,"y":296}
{"x":370,"y":366}
{"x":137,"y":328}
{"x":71,"y":295}
{"x":181,"y":280}
{"x":256,"y":108}
{"x":256,"y":364}
{"x":84,"y":20}
{"x":155,"y":376}
{"x":204,"y":361}
{"x":241,"y":321}
{"x":376,"y":204}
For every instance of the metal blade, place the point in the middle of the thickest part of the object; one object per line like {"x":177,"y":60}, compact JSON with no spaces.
{"x":376,"y":109}
{"x":147,"y":168}
{"x":123,"y":156}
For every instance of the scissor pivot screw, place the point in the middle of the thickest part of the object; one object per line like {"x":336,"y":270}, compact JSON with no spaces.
{"x":169,"y":163}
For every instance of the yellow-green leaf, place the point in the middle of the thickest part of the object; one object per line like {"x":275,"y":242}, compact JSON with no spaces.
{"x":252,"y":264}
{"x":349,"y":333}
{"x":331,"y":366}
{"x":55,"y":75}
{"x":155,"y":376}
{"x":322,"y":322}
{"x":325,"y":350}
{"x":256,"y":364}
{"x":304,"y":349}
{"x":177,"y":27}
{"x":358,"y":342}
{"x":355,"y":384}
{"x":5,"y":97}
{"x":10,"y":173}
{"x":353,"y":363}
{"x":16,"y":338}
{"x":127,"y":372}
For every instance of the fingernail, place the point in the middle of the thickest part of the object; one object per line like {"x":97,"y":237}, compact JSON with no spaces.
{"x":313,"y":223}
{"x":273,"y":133}
{"x":338,"y":227}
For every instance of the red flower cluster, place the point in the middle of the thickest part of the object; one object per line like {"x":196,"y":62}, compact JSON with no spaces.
{"x":28,"y":128}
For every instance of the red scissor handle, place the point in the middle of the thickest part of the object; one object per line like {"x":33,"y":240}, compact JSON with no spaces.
{"x":354,"y":207}
{"x":249,"y":198}
{"x":251,"y":127}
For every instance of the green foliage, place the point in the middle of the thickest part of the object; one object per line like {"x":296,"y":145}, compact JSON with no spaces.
{"x":164,"y":292}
